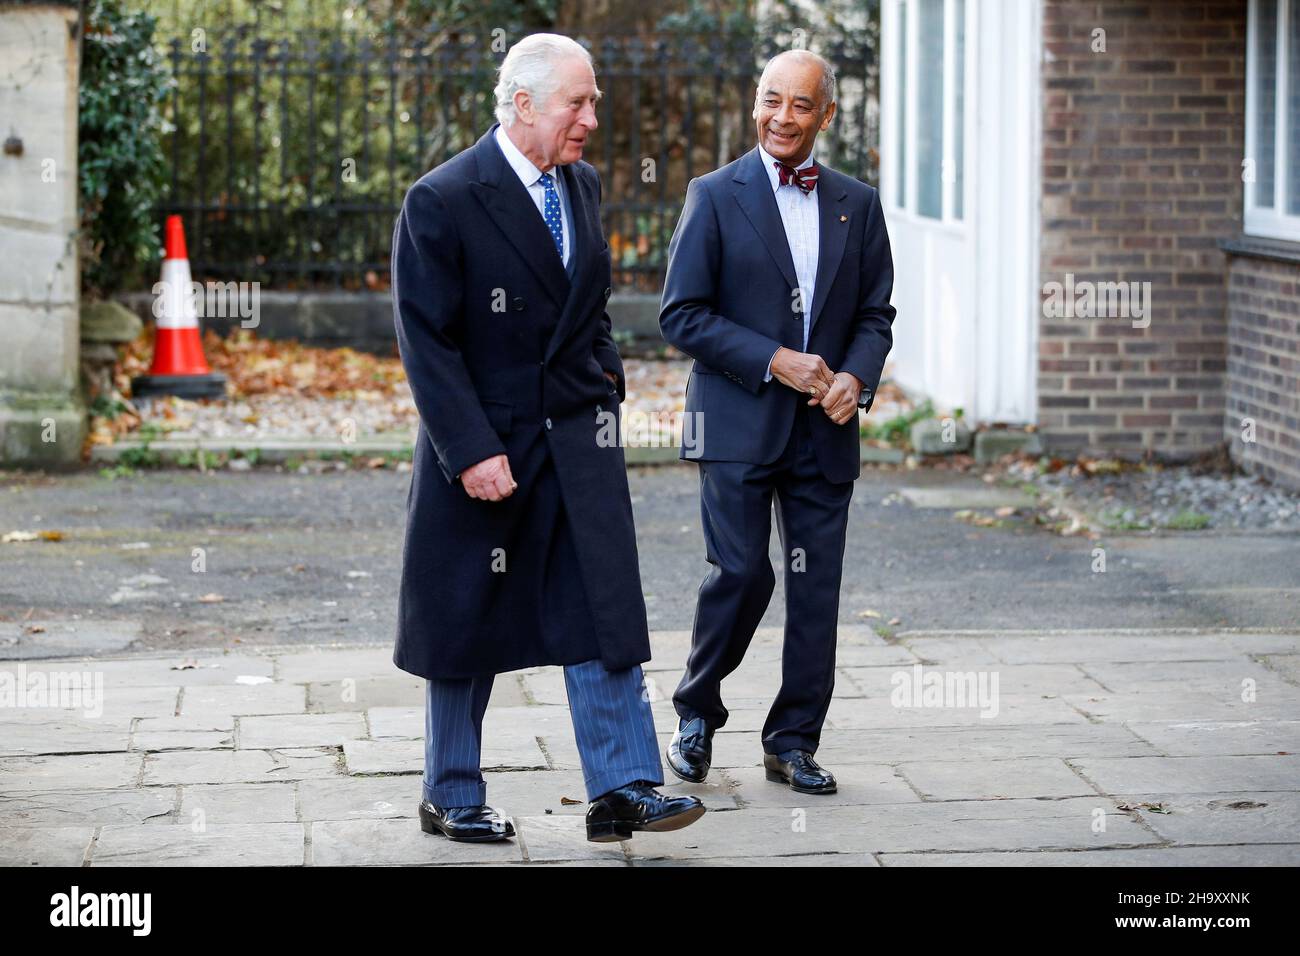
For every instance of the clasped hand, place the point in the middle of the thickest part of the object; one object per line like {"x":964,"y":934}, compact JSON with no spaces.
{"x":836,"y":392}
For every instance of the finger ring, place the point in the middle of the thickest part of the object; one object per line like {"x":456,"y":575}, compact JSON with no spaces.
{"x":812,"y":389}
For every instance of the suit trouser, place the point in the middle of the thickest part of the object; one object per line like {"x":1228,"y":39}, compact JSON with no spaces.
{"x":812,"y":516}
{"x":612,"y":722}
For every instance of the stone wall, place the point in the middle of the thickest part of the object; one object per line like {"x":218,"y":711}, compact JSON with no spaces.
{"x":42,"y":420}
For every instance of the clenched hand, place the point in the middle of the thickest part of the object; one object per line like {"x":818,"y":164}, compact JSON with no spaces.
{"x":841,"y":403}
{"x":489,"y":480}
{"x":805,"y":372}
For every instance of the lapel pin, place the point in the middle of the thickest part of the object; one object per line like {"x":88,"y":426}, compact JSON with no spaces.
{"x":844,"y":218}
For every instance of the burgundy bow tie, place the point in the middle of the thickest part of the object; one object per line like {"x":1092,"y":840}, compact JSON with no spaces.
{"x":805,"y":178}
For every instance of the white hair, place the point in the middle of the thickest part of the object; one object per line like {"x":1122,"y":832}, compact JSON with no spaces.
{"x":530,"y":65}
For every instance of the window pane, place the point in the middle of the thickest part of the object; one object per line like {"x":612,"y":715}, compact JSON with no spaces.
{"x":1265,"y":100}
{"x":929,"y":108}
{"x":1293,"y":111}
{"x":959,"y":107}
{"x":903,"y":128}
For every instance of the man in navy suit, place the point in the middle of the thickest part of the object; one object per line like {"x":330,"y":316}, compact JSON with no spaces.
{"x":778,"y":285}
{"x":519,"y":546}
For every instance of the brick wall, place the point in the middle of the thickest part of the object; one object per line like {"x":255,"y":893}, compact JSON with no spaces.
{"x":1142,"y":150}
{"x":1263,"y":378}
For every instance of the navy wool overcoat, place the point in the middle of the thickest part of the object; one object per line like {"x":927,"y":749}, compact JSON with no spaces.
{"x":506,"y":353}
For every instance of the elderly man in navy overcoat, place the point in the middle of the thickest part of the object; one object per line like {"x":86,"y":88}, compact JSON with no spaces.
{"x":520,"y":548}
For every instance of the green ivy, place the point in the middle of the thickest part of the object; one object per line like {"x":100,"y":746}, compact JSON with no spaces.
{"x":124,"y":81}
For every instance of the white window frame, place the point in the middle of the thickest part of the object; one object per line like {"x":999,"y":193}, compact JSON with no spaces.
{"x":1275,"y":223}
{"x":906,"y":206}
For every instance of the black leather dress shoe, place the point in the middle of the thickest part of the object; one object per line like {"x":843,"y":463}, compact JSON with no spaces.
{"x":638,"y":806}
{"x":798,"y":770}
{"x":480,"y":824}
{"x":691,"y":750}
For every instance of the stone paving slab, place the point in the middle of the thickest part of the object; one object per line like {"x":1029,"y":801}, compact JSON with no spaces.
{"x":222,"y":803}
{"x":299,"y":730}
{"x":1246,"y":817}
{"x":819,"y":859}
{"x":217,"y":844}
{"x":1220,"y":677}
{"x":1185,"y":706}
{"x":1126,"y":647}
{"x":70,"y":772}
{"x":314,"y":755}
{"x":1220,"y":737}
{"x":117,"y":705}
{"x":214,"y":732}
{"x":553,"y":838}
{"x":181,"y":671}
{"x":89,"y":807}
{"x":859,"y":785}
{"x":1197,"y":856}
{"x":1191,"y":774}
{"x":960,"y":825}
{"x":351,"y":695}
{"x":238,"y":766}
{"x":1287,"y":665}
{"x":398,"y":843}
{"x":243,"y":700}
{"x":64,"y":735}
{"x":1035,"y":679}
{"x":1033,"y":777}
{"x":1011,"y":710}
{"x":44,"y":846}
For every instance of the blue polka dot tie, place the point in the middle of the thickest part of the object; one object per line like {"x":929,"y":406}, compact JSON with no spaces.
{"x":551,"y":212}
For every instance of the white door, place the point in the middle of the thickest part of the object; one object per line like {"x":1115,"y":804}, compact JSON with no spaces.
{"x":959,"y":183}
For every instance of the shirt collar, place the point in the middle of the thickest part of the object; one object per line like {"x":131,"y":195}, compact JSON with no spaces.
{"x":772,"y":175}
{"x":523,"y":166}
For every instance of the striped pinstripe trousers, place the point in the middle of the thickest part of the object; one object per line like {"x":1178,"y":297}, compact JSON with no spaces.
{"x":612,"y":722}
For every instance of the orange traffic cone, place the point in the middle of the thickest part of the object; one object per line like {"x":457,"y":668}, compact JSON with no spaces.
{"x":179,"y":367}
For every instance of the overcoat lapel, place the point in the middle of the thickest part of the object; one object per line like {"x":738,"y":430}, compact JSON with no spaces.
{"x":586,"y":248}
{"x":506,"y":200}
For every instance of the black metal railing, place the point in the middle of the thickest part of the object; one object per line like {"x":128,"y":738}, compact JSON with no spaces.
{"x":290,"y":155}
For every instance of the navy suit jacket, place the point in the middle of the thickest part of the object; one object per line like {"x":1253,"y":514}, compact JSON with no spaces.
{"x":727,"y":303}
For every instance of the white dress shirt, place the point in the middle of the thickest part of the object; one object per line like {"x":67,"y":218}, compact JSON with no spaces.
{"x":800,"y":217}
{"x":531,"y":177}
{"x":802,"y":234}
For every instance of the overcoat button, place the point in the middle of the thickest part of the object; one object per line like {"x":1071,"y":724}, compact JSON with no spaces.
{"x":599,"y":409}
{"x":548,"y":424}
{"x":518,"y":303}
{"x":607,"y":292}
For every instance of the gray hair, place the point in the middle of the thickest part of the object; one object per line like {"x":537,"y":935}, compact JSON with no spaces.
{"x":530,"y":65}
{"x":826,"y":89}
